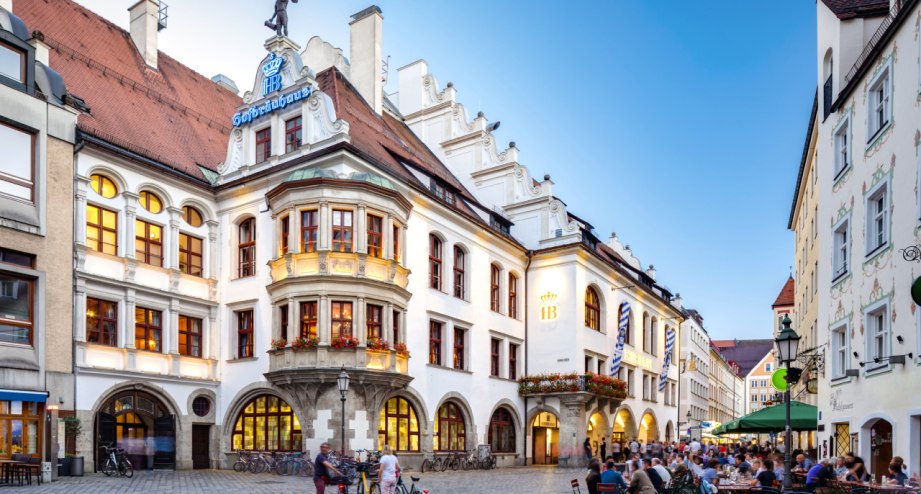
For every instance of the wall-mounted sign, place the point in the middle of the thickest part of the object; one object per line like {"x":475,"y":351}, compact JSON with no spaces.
{"x":272,"y":72}
{"x":270,"y":106}
{"x":548,"y":307}
{"x":633,"y":358}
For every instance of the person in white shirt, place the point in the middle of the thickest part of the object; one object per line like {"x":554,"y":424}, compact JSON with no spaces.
{"x":634,"y":447}
{"x":662,"y":471}
{"x":695,"y":446}
{"x":388,"y":471}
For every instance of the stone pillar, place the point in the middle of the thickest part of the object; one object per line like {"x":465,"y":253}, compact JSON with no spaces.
{"x":573,"y":424}
{"x":360,"y":232}
{"x":209,"y":263}
{"x":126,"y":243}
{"x":359,"y":328}
{"x":388,"y":323}
{"x":172,"y":239}
{"x":126,"y":329}
{"x":294,"y":235}
{"x":324,"y":321}
{"x":211,"y":335}
{"x":80,"y":310}
{"x":171,"y":327}
{"x":294,"y":323}
{"x":325,"y":234}
{"x":388,"y":236}
{"x":83,"y":184}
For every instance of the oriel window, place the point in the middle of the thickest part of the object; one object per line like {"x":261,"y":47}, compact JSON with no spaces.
{"x":309,"y":229}
{"x":308,"y":319}
{"x":341,"y":319}
{"x":342,"y":231}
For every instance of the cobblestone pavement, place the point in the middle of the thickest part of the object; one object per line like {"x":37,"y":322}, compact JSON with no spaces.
{"x":527,"y":480}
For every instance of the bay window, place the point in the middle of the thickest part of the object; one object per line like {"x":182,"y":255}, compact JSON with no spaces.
{"x":342,"y":231}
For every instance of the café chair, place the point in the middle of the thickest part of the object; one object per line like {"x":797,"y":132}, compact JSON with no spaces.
{"x":575,"y":486}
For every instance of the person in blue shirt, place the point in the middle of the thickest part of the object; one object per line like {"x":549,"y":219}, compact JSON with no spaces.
{"x":710,"y":472}
{"x":896,"y":475}
{"x":722,"y":459}
{"x":818,"y":474}
{"x":612,"y":476}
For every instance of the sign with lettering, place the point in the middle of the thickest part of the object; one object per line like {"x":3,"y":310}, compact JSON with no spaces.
{"x":633,"y":358}
{"x":548,"y":307}
{"x":270,"y":106}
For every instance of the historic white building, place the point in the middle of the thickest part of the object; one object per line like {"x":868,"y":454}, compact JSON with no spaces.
{"x":234,"y":255}
{"x":695,"y":374}
{"x":867,"y":169}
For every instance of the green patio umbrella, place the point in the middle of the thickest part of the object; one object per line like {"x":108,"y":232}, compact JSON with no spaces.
{"x":803,"y":417}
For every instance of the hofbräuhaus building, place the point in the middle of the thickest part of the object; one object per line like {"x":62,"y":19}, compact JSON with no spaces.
{"x":233,"y":255}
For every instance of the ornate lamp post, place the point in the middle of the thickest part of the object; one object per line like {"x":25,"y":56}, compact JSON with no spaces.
{"x":343,"y":381}
{"x":787,"y":349}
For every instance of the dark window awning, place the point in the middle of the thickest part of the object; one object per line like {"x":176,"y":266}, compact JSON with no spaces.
{"x":16,"y":395}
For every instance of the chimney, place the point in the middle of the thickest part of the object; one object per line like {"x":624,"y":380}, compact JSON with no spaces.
{"x":226,"y":82}
{"x":41,"y":49}
{"x":366,"y":57}
{"x":651,"y":272}
{"x":144,"y":28}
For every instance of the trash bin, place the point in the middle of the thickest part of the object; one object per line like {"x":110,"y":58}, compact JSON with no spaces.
{"x":76,"y":466}
{"x":46,"y":471}
{"x":64,"y":467}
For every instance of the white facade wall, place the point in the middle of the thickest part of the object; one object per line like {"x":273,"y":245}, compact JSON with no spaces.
{"x":695,"y":360}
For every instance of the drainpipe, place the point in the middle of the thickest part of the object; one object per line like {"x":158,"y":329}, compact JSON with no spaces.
{"x":524,"y":425}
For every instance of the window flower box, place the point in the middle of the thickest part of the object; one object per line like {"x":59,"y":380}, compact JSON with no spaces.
{"x":344,"y":342}
{"x":304,"y":344}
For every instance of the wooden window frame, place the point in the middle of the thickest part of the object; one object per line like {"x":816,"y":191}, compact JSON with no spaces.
{"x":395,"y":324}
{"x":101,"y":229}
{"x":344,"y":231}
{"x":245,"y":321}
{"x":283,"y":321}
{"x":456,"y":440}
{"x":23,"y":60}
{"x":374,"y":321}
{"x":436,"y":252}
{"x":403,"y":444}
{"x":337,"y":315}
{"x":502,"y":418}
{"x":459,"y":347}
{"x":186,"y":246}
{"x":97,"y":181}
{"x":309,"y":312}
{"x":310,"y":229}
{"x":144,"y":199}
{"x":293,"y":134}
{"x":187,"y":328}
{"x":19,"y":181}
{"x":375,"y":237}
{"x":495,"y":288}
{"x":147,"y":329}
{"x":246,"y":248}
{"x":460,"y":258}
{"x":513,"y":361}
{"x":100,"y":323}
{"x":190,"y":212}
{"x":512,"y":296}
{"x":435,"y":335}
{"x":294,"y":441}
{"x":495,"y":347}
{"x":592,"y":309}
{"x":264,"y":138}
{"x":396,"y":243}
{"x":285,"y":234}
{"x":142,"y":238}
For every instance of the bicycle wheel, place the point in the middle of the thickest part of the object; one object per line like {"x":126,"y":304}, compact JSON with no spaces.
{"x":108,"y":468}
{"x":426,"y":465}
{"x":436,"y":464}
{"x":306,"y":468}
{"x":445,"y":463}
{"x":125,"y":469}
{"x":455,"y":462}
{"x":375,"y":488}
{"x":239,"y":466}
{"x":401,"y":489}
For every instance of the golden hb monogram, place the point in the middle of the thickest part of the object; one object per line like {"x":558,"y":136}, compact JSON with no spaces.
{"x":548,"y":307}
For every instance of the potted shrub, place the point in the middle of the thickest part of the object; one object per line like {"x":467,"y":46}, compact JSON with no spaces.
{"x":72,"y":464}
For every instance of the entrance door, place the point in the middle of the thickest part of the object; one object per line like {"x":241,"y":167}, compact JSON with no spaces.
{"x":880,"y":448}
{"x":546,"y":445}
{"x":105,"y":436}
{"x":201,"y":447}
{"x":165,"y":437}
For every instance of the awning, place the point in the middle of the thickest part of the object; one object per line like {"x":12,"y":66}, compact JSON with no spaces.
{"x":803,"y":417}
{"x":16,"y":395}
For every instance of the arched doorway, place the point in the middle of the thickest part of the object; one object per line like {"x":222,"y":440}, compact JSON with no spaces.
{"x":624,"y":427}
{"x":139,"y":423}
{"x":669,"y":432}
{"x":880,"y":447}
{"x":596,"y":430}
{"x":649,"y":429}
{"x":545,"y":429}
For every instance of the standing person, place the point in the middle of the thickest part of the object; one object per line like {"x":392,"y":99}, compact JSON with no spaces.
{"x":388,"y":470}
{"x":615,"y":451}
{"x":587,"y":446}
{"x":604,"y":449}
{"x":634,"y":447}
{"x":321,"y":469}
{"x":150,"y":448}
{"x":594,"y":476}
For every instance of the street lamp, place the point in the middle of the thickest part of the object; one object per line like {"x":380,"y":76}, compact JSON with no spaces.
{"x":787,"y":348}
{"x":343,"y":381}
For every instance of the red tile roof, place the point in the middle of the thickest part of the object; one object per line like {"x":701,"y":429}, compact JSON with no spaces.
{"x":787,"y":294}
{"x":172,"y":115}
{"x":848,"y":9}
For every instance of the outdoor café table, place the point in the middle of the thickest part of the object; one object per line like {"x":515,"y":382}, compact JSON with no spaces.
{"x":743,"y":488}
{"x":6,"y":470}
{"x":883,"y":488}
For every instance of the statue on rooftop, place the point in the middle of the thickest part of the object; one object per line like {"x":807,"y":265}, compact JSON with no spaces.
{"x":280,"y":18}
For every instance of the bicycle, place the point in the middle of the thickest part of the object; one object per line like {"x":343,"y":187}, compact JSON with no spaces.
{"x":367,"y":470}
{"x":401,"y":487}
{"x":431,"y":465}
{"x":117,"y":463}
{"x":242,"y":463}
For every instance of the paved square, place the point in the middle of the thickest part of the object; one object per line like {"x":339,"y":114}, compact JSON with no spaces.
{"x":529,"y":480}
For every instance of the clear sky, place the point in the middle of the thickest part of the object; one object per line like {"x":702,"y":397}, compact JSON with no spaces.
{"x":677,"y":124}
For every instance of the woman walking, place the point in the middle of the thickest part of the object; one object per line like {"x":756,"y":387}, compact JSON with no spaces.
{"x":389,"y":469}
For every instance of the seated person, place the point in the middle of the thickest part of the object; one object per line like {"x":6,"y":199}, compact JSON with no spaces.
{"x":818,"y":475}
{"x":896,"y":475}
{"x":766,"y":478}
{"x":657,"y":481}
{"x":612,"y":476}
{"x":742,"y":466}
{"x":710,"y":472}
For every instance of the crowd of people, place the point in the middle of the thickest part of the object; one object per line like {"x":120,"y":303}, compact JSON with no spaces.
{"x":654,"y":467}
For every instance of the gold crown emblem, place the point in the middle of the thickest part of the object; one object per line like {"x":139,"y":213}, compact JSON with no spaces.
{"x":548,"y":298}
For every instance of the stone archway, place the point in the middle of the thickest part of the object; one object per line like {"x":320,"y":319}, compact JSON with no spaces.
{"x":648,"y":428}
{"x":141,"y":419}
{"x":669,"y":432}
{"x":596,"y":430}
{"x":879,"y":441}
{"x":545,"y":434}
{"x":624,"y":425}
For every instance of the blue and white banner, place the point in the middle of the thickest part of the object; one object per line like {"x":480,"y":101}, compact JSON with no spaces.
{"x":669,"y":344}
{"x":622,"y":327}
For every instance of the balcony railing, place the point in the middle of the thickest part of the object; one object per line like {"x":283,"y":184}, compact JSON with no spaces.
{"x":346,"y":264}
{"x":596,"y":384}
{"x":874,"y":40}
{"x":327,"y":357}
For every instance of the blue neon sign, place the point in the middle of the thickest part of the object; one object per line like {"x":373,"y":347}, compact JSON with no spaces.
{"x":271,"y":105}
{"x":272,"y":72}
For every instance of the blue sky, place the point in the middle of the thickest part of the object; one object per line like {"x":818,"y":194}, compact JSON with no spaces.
{"x":679,"y":125}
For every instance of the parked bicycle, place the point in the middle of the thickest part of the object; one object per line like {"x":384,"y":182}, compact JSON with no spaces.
{"x":401,"y":487}
{"x":431,"y":464}
{"x":117,"y":463}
